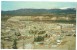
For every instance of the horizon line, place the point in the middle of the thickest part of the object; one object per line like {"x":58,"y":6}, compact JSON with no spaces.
{"x":40,"y":8}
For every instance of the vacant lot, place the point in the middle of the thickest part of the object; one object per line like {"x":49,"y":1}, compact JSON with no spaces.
{"x":18,"y":33}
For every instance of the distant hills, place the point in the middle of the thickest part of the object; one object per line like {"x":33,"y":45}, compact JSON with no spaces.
{"x":25,"y":12}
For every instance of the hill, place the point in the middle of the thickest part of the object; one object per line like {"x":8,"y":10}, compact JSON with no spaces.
{"x":25,"y":12}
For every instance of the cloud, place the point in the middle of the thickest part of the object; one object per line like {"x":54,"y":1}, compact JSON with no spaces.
{"x":65,"y":7}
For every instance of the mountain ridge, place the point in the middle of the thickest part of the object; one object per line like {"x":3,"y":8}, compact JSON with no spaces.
{"x":24,"y":12}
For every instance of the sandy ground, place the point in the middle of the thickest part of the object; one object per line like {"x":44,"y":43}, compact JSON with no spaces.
{"x":68,"y":43}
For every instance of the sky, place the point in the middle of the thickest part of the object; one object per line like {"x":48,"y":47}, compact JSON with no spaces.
{"x":14,"y":5}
